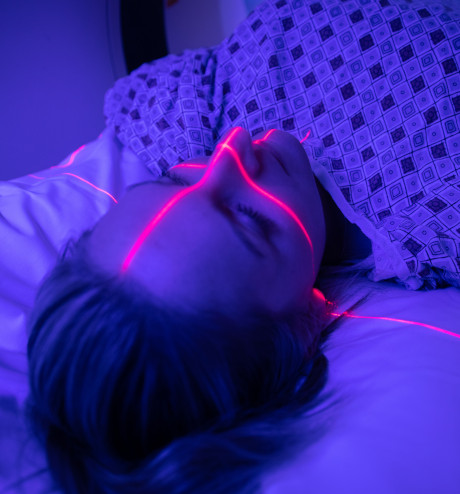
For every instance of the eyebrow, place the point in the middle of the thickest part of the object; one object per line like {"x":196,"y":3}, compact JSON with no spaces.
{"x":241,"y":236}
{"x":133,"y":186}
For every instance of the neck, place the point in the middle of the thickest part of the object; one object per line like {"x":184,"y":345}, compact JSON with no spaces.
{"x":335,"y":226}
{"x":344,"y":240}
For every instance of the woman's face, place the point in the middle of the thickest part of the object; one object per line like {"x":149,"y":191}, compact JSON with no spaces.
{"x":197,"y":246}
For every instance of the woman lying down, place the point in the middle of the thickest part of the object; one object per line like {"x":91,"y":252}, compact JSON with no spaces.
{"x":175,"y":344}
{"x":177,"y":347}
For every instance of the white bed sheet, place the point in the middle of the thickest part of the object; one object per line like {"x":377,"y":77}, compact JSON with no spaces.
{"x":398,"y":431}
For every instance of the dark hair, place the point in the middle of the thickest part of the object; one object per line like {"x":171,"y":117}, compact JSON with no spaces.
{"x":130,"y":395}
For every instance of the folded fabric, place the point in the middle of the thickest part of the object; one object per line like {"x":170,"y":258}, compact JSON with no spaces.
{"x":376,"y":82}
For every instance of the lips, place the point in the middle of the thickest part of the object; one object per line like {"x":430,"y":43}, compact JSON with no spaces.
{"x":275,"y":154}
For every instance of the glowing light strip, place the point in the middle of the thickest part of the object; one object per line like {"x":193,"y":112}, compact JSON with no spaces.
{"x":189,"y":165}
{"x":265,"y":137}
{"x":306,"y":137}
{"x":92,"y":185}
{"x":428,"y":326}
{"x":221,"y":148}
{"x":71,"y":159}
{"x":64,"y":165}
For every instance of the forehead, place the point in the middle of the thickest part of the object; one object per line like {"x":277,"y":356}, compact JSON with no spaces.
{"x":173,"y":268}
{"x":113,"y":233}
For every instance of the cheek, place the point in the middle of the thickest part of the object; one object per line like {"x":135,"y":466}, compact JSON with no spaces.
{"x":308,"y":206}
{"x":315,"y":214}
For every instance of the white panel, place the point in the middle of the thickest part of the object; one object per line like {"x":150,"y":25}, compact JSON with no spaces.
{"x":231,"y":14}
{"x":201,"y":23}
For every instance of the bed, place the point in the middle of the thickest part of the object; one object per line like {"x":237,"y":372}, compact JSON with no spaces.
{"x":396,"y":360}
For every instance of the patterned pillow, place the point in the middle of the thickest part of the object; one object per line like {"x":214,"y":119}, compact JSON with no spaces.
{"x":376,"y":81}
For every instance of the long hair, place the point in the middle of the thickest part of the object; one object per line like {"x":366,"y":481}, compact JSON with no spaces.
{"x":128,"y":394}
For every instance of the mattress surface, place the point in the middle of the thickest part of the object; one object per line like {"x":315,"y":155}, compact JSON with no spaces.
{"x":396,"y":430}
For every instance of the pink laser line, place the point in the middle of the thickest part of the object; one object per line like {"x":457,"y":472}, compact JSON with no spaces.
{"x":306,"y":137}
{"x":71,"y":159}
{"x":92,"y":185}
{"x":265,"y":137}
{"x":65,"y":165}
{"x":189,"y":165}
{"x":428,"y":326}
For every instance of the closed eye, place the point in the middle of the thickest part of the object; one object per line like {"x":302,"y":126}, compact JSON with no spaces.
{"x":266,"y":224}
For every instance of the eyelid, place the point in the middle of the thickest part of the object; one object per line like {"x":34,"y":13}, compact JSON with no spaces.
{"x":171,"y":175}
{"x":262,"y":221}
{"x":133,"y":186}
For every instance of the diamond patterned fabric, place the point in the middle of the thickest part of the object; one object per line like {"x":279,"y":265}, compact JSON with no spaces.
{"x":375,"y":81}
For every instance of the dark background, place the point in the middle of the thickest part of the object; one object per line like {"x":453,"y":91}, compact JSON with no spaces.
{"x":143,"y":31}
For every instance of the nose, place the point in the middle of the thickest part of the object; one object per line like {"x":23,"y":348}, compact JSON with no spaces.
{"x":233,"y":160}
